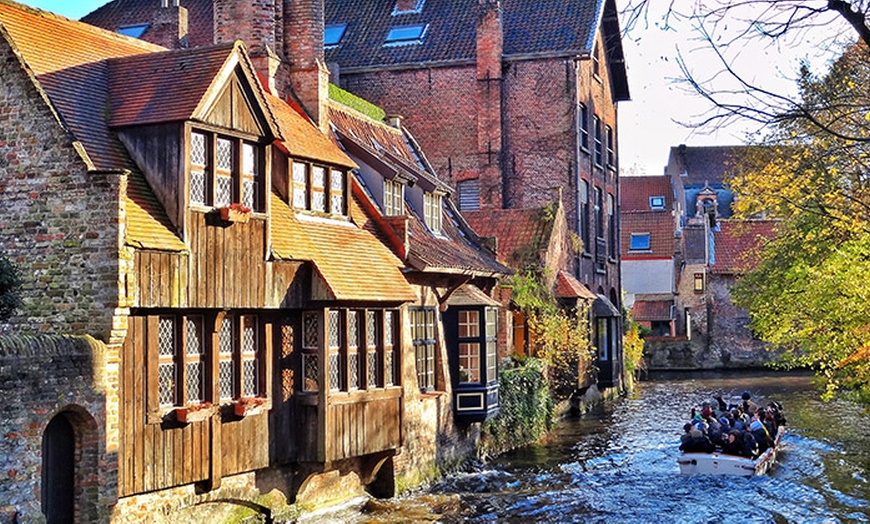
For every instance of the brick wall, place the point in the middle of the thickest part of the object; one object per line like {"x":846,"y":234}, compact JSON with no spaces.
{"x":42,"y":377}
{"x":57,"y":222}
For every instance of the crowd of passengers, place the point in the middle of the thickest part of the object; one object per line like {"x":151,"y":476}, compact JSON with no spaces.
{"x":742,"y":429}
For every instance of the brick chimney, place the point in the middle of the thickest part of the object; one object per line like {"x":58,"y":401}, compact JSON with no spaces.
{"x":169,"y":26}
{"x":303,"y":47}
{"x":258,"y":24}
{"x":489,"y":42}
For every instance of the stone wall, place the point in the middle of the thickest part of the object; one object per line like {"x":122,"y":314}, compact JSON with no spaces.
{"x":58,"y":223}
{"x":43,"y":377}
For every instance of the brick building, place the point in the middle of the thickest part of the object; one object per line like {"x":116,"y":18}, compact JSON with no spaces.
{"x":245,"y":305}
{"x":510,"y":100}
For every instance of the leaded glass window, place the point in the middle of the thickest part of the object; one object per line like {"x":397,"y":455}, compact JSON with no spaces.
{"x":353,"y":332}
{"x":336,"y":192}
{"x":226,"y":372}
{"x":491,"y":344}
{"x":198,"y":156}
{"x":334,"y":340}
{"x":166,"y":370}
{"x":250,"y":382}
{"x":318,"y":181}
{"x":469,"y":362}
{"x":389,"y":349}
{"x":393,"y":198}
{"x":194,"y":359}
{"x":423,"y":330}
{"x":300,"y":185}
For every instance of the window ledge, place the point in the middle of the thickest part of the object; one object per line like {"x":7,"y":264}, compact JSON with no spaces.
{"x":432,"y":394}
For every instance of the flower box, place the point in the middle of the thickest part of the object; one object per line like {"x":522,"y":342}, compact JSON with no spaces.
{"x":194,"y":412}
{"x":235,"y":213}
{"x":251,"y":406}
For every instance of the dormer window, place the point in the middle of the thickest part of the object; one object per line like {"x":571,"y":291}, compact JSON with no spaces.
{"x":394,"y":197}
{"x":225,"y":169}
{"x":318,"y":188}
{"x":432,"y":212}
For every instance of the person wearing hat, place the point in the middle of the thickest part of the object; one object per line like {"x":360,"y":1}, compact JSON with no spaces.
{"x":749,"y":406}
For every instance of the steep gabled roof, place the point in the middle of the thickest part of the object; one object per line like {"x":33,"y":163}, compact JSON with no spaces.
{"x":457,"y":249}
{"x":531,"y":28}
{"x":74,"y":73}
{"x":635,"y":193}
{"x":737,"y":242}
{"x":352,"y":263}
{"x":179,"y":85}
{"x":567,"y":286}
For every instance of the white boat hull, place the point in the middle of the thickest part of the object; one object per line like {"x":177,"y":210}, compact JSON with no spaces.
{"x":721,"y":464}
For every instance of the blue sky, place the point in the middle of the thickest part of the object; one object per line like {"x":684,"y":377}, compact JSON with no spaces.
{"x":69,"y":8}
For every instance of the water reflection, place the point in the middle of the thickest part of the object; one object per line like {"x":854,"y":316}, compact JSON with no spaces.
{"x":618,"y":464}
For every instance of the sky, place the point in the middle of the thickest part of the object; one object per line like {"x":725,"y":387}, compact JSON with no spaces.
{"x":654,"y":119}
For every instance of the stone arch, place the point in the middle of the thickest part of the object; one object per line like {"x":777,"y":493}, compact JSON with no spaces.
{"x":71,"y":449}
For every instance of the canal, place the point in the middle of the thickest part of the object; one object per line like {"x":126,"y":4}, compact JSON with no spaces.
{"x":618,"y":464}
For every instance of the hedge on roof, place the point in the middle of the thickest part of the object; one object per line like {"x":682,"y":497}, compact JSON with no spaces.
{"x":354,"y":102}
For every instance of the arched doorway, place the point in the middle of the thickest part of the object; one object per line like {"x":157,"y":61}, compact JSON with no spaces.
{"x":58,"y":471}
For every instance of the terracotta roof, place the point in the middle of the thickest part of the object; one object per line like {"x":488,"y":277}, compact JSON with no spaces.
{"x":302,"y":138}
{"x":531,"y":27}
{"x":167,"y":86}
{"x":119,"y":13}
{"x":569,"y":287}
{"x":652,"y":310}
{"x":737,"y":242}
{"x":456,"y":249}
{"x":659,"y":225}
{"x":520,"y":232}
{"x":147,"y":224}
{"x":74,"y":74}
{"x":635,"y":192}
{"x":353,"y":263}
{"x":468,"y":295}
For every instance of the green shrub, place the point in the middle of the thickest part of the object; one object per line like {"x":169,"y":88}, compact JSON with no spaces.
{"x":10,"y":288}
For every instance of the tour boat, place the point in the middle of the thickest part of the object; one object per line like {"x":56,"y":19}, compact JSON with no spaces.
{"x":717,"y":463}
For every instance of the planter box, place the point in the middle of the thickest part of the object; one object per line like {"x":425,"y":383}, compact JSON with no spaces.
{"x":229,"y":214}
{"x":186,"y":415}
{"x":243,"y":408}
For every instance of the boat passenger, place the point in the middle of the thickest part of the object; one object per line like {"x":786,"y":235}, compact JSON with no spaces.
{"x":697,"y":443}
{"x":762,"y":437}
{"x":748,"y":405}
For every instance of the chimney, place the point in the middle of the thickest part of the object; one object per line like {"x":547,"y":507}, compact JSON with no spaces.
{"x":258,"y":24}
{"x":489,"y":43}
{"x":405,"y":6}
{"x":169,"y":26}
{"x":395,"y":121}
{"x":303,"y":47}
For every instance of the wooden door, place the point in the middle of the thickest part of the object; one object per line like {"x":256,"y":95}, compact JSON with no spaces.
{"x":58,"y":471}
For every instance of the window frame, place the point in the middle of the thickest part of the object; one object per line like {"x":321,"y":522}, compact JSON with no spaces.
{"x":423,"y":340}
{"x":654,"y":205}
{"x":584,"y":216}
{"x":598,"y":155}
{"x":583,"y":125}
{"x":234,"y":171}
{"x":393,"y":38}
{"x":331,"y":29}
{"x":332,"y":193}
{"x":611,"y":226}
{"x":610,"y":146}
{"x":394,"y":197}
{"x":639,"y":237}
{"x":432,"y":212}
{"x":700,"y":284}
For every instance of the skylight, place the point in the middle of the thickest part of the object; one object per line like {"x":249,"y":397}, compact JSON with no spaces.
{"x":657,"y":202}
{"x":333,"y":33}
{"x":134,"y":30}
{"x":406,"y":34}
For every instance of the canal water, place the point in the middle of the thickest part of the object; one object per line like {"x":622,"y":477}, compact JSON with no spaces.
{"x":619,"y":464}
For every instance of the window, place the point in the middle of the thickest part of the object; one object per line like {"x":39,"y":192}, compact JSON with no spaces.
{"x":362,"y":347}
{"x":491,"y":344}
{"x":611,"y":226}
{"x":611,"y":155}
{"x":603,"y":339}
{"x":657,"y":202}
{"x":134,"y":30}
{"x":310,"y":344}
{"x":333,"y":33}
{"x":599,"y":151}
{"x":406,"y":34}
{"x":432,"y":211}
{"x":394,"y":198}
{"x":224,"y":170}
{"x":583,"y":125}
{"x":317,"y":188}
{"x":699,"y":282}
{"x":599,"y":214}
{"x":166,"y":369}
{"x":183,"y":353}
{"x":469,"y":195}
{"x":639,"y":242}
{"x":423,"y":340}
{"x":596,"y":63}
{"x":469,"y":352}
{"x":584,"y":215}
